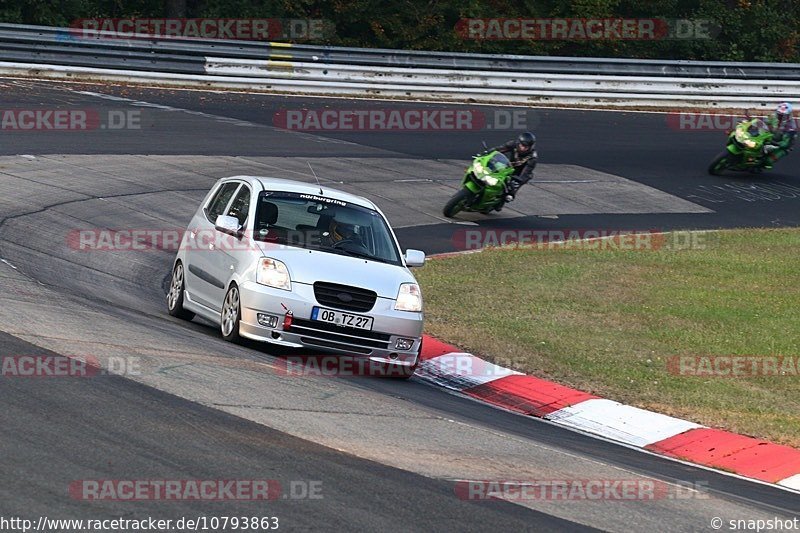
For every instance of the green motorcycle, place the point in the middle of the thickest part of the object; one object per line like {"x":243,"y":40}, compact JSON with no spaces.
{"x":484,"y":187}
{"x":744,"y":149}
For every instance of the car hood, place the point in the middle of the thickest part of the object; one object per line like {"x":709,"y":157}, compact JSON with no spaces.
{"x":309,"y":266}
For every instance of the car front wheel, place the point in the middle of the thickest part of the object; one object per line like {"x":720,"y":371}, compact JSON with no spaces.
{"x":231,"y":315}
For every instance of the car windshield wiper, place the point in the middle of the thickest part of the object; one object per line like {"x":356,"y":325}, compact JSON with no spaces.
{"x":353,"y":253}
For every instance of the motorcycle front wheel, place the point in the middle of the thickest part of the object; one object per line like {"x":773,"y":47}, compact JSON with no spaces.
{"x":720,"y":163}
{"x":457,"y":203}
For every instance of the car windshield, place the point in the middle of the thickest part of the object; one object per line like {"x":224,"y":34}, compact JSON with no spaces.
{"x":498,"y":162}
{"x":320,"y":223}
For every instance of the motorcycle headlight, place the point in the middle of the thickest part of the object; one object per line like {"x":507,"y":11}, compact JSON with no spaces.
{"x":490,"y":180}
{"x":409,"y":298}
{"x":742,"y":137}
{"x":477,"y":168}
{"x":273,"y":273}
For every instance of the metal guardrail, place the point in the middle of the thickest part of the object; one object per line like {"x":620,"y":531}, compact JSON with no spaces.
{"x":362,"y":71}
{"x":37,"y":36}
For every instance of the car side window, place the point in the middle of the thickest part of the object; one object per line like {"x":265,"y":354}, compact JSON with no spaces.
{"x":220,"y":201}
{"x":240,"y":205}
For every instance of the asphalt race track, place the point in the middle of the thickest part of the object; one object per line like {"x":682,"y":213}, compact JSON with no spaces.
{"x":59,"y":440}
{"x":387,"y":454}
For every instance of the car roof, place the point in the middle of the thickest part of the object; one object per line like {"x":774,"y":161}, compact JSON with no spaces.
{"x":280,"y":184}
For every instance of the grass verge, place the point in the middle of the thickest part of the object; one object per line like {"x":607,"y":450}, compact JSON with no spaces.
{"x":612,"y":321}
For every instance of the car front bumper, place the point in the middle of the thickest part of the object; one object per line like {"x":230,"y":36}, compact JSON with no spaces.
{"x":379,"y":344}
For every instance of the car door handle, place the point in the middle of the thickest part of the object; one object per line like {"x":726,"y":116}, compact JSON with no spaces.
{"x":211,"y":246}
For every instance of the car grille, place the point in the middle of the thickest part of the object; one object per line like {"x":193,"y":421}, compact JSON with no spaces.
{"x":336,"y":337}
{"x":344,"y":296}
{"x":334,"y":345}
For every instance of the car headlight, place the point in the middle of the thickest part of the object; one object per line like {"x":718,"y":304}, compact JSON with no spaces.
{"x":273,"y":273}
{"x":409,"y":298}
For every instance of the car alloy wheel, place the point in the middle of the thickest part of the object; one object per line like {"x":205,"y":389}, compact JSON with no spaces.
{"x":231,"y":314}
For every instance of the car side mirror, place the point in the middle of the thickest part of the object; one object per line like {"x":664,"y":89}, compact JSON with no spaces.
{"x":415,"y":258}
{"x":229,"y":225}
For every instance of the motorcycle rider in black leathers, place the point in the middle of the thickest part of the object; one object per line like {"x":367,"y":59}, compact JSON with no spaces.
{"x":522,"y":154}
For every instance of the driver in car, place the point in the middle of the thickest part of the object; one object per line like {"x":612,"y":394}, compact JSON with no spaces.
{"x":341,"y":232}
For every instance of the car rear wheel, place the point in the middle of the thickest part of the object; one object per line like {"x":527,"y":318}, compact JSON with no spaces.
{"x":175,"y":294}
{"x":231,"y":315}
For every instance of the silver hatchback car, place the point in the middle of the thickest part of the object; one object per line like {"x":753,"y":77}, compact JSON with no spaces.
{"x":299,"y":265}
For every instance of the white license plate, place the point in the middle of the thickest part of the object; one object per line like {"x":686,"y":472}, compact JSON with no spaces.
{"x":341,"y":319}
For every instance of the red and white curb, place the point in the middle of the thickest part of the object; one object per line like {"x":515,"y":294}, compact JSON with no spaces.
{"x":449,"y":367}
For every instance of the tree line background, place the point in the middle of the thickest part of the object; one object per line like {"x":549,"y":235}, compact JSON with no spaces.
{"x":751,"y":30}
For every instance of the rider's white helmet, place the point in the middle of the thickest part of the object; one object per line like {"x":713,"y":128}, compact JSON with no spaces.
{"x":783,"y":113}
